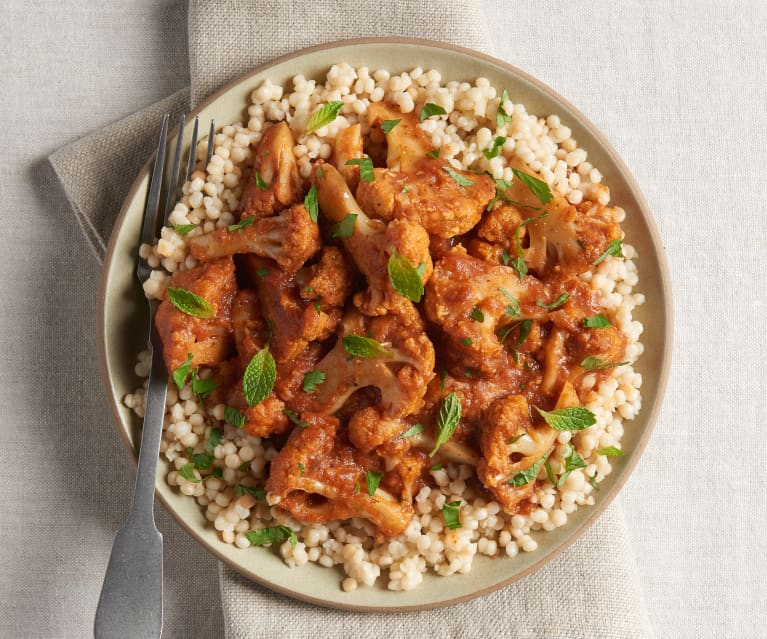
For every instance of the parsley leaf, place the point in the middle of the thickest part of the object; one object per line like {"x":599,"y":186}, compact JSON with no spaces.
{"x":310,"y":202}
{"x":538,"y":187}
{"x":388,"y":125}
{"x":404,"y":277}
{"x":430,"y":109}
{"x":242,"y":224}
{"x":189,"y":303}
{"x":415,"y":429}
{"x":575,"y":418}
{"x":372,"y":480}
{"x":365,"y":347}
{"x":526,"y":476}
{"x":447,"y":420}
{"x":610,"y":451}
{"x":501,"y":117}
{"x":366,"y":168}
{"x":182,"y":372}
{"x":592,"y":363}
{"x":259,"y":377}
{"x":187,"y":472}
{"x":264,"y":536}
{"x":462,"y":181}
{"x":312,"y":379}
{"x":345,"y":228}
{"x":596,"y":321}
{"x":324,"y":115}
{"x":257,"y":493}
{"x":495,"y":149}
{"x":555,"y":304}
{"x":234,"y":417}
{"x":615,"y":248}
{"x":451,"y":514}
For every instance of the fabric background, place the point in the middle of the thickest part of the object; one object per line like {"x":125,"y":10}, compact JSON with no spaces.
{"x":678,"y":89}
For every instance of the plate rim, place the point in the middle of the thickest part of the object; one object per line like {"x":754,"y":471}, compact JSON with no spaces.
{"x":665,"y":288}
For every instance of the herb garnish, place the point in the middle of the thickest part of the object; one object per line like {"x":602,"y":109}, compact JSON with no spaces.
{"x":257,"y":493}
{"x":501,"y":117}
{"x":202,"y":387}
{"x":310,"y":202}
{"x":555,"y":304}
{"x":324,"y":115}
{"x":214,"y":439}
{"x":462,"y":181}
{"x":293,"y":417}
{"x":447,"y":420}
{"x":234,"y":417}
{"x":415,"y":429}
{"x":388,"y":125}
{"x":518,"y":263}
{"x":513,"y":309}
{"x":260,"y":375}
{"x":610,"y":451}
{"x":242,"y":224}
{"x":345,"y":228}
{"x":575,"y":418}
{"x":538,"y":187}
{"x":262,"y":272}
{"x":572,"y":461}
{"x":596,"y":321}
{"x":430,"y":109}
{"x":405,"y":277}
{"x":312,"y":379}
{"x":466,"y":341}
{"x":183,"y":229}
{"x":477,"y":315}
{"x":189,"y":303}
{"x":182,"y":372}
{"x":592,"y":363}
{"x":260,"y":181}
{"x":451,"y":512}
{"x":366,"y":168}
{"x":434,"y":154}
{"x":526,"y":476}
{"x":495,"y":149}
{"x":365,"y":347}
{"x":372,"y":479}
{"x":614,"y":248}
{"x":202,"y":461}
{"x":187,"y":472}
{"x":264,"y":536}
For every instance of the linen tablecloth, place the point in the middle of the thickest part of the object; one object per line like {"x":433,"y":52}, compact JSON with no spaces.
{"x":677,"y":88}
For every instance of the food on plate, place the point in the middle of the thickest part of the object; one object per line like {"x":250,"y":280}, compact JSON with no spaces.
{"x":397,"y":317}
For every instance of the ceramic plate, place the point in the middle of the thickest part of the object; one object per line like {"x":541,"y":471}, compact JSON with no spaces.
{"x":123,"y":323}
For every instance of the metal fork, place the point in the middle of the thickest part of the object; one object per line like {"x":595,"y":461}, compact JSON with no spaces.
{"x":130,"y":604}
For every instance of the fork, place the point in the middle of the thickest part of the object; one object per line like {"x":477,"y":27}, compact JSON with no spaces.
{"x":130,"y":604}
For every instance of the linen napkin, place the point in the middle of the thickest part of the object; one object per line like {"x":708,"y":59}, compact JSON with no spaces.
{"x":591,"y":590}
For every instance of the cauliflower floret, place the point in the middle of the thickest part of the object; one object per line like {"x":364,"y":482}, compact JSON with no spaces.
{"x":416,"y":187}
{"x":401,"y":375}
{"x":289,"y":238}
{"x":495,"y":233}
{"x":348,"y":147}
{"x":318,"y":477}
{"x":371,"y":245}
{"x":275,"y":163}
{"x":329,"y":281}
{"x":207,"y":339}
{"x":472,"y":300}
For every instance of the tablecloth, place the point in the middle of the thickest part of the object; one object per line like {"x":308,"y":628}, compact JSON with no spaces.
{"x":679,"y":90}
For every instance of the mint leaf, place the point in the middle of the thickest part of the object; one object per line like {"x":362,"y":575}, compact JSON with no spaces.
{"x":596,"y":321}
{"x":234,"y":417}
{"x":214,"y":439}
{"x":366,"y":168}
{"x":513,"y":309}
{"x":301,"y":469}
{"x":447,"y":420}
{"x":262,"y":272}
{"x":442,"y":379}
{"x":324,"y":115}
{"x":310,"y":202}
{"x":415,"y":429}
{"x":260,"y":181}
{"x":430,"y":109}
{"x":312,"y":379}
{"x":372,"y":480}
{"x":610,"y":451}
{"x":345,"y":228}
{"x":293,"y":417}
{"x":183,"y":229}
{"x":495,"y":149}
{"x":257,"y":493}
{"x":202,"y":387}
{"x":436,"y":467}
{"x":501,"y":117}
{"x":202,"y":461}
{"x":614,"y":248}
{"x":477,"y":315}
{"x":538,"y":187}
{"x":433,"y":154}
{"x":182,"y":372}
{"x":189,"y":303}
{"x":524,"y":331}
{"x":520,"y":268}
{"x":592,"y":363}
{"x":404,"y":277}
{"x":526,"y":476}
{"x":242,"y":224}
{"x":365,"y":347}
{"x":187,"y":472}
{"x":388,"y":125}
{"x":555,"y":304}
{"x":462,"y":181}
{"x":260,"y":375}
{"x":451,"y":514}
{"x":505,"y":257}
{"x":264,"y":536}
{"x":575,"y":418}
{"x":550,"y":473}
{"x":466,"y":341}
{"x":572,"y":461}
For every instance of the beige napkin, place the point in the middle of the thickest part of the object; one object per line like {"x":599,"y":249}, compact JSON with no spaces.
{"x":590,"y":590}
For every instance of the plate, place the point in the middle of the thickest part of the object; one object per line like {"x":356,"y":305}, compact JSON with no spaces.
{"x":122,"y":323}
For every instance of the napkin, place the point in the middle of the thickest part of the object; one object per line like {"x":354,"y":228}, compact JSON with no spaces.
{"x":591,"y":590}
